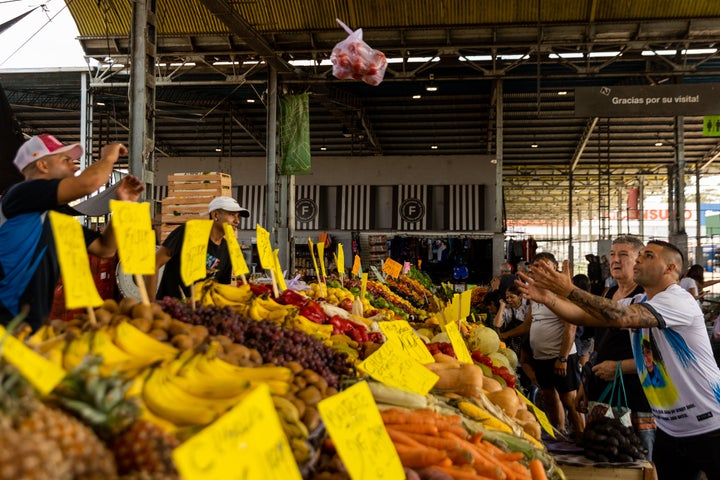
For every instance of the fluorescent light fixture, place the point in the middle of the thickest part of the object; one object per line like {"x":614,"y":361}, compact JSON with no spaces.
{"x":323,"y":148}
{"x":218,"y":149}
{"x":513,"y":57}
{"x":651,"y":53}
{"x":250,"y":100}
{"x":413,"y":59}
{"x":658,"y":144}
{"x":310,"y":63}
{"x":699,"y":51}
{"x":533,"y":145}
{"x":603,"y":54}
{"x":100,"y":104}
{"x":433,"y":147}
{"x":476,"y":58}
{"x":431,"y":88}
{"x":494,"y":161}
{"x":417,"y":97}
{"x":562,"y":92}
{"x":566,"y":55}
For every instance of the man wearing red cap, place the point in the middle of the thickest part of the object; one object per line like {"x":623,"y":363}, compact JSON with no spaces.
{"x":29,"y":268}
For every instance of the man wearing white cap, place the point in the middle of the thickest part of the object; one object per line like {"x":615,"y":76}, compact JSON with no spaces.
{"x":221,"y":210}
{"x":29,"y":269}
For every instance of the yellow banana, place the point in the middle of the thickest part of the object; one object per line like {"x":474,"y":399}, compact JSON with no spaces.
{"x":44,"y":333}
{"x":76,"y":350}
{"x":172,"y":403}
{"x":257,"y":312}
{"x":241,"y":294}
{"x":286,"y":408}
{"x":142,"y":346}
{"x":55,"y":354}
{"x":196,"y":382}
{"x":483,"y":417}
{"x":149,"y":416}
{"x":113,"y":357}
{"x":311,"y":328}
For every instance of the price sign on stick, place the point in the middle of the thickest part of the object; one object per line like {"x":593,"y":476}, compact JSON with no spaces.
{"x":393,"y":366}
{"x":458,"y":344}
{"x":278,"y":270}
{"x":356,"y":266}
{"x":411,"y":343}
{"x":353,"y":421}
{"x":340,"y":260}
{"x":135,"y":238}
{"x":80,"y":290}
{"x":363,"y":285}
{"x":42,"y":373}
{"x":193,"y":257}
{"x":311,"y":246}
{"x":246,"y":443}
{"x":392,"y":268}
{"x":265,"y":251}
{"x":465,"y":301}
{"x":321,"y":258}
{"x":237,"y":259}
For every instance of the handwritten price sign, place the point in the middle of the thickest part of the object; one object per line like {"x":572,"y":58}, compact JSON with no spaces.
{"x":401,"y":331}
{"x":193,"y":257}
{"x":135,"y":238}
{"x":265,"y":250}
{"x":353,"y":421}
{"x":236,"y":257}
{"x":391,"y":365}
{"x":42,"y":373}
{"x":80,"y":290}
{"x":246,"y":443}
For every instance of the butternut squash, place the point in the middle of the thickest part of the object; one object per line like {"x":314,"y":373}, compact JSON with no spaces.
{"x":490,"y":385}
{"x":506,"y":399}
{"x":462,"y":378}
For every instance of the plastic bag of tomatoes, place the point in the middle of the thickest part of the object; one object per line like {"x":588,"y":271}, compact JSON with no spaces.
{"x":354,"y":59}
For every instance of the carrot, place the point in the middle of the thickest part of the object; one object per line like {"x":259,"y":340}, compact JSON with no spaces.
{"x":482,"y":456}
{"x":397,"y":416}
{"x":422,"y":428}
{"x":436,"y":442}
{"x":400,"y":437}
{"x":420,"y":457}
{"x":456,"y":429}
{"x":459,"y":473}
{"x":460,"y":456}
{"x":537,"y":470}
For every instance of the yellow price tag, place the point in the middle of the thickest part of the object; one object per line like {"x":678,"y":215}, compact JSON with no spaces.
{"x":391,"y":365}
{"x":279,"y":277}
{"x":363,"y":285}
{"x":401,"y":331}
{"x":311,"y":245}
{"x":353,"y":421}
{"x":465,"y":301}
{"x":356,"y":265}
{"x":135,"y":238}
{"x":264,"y":248}
{"x":340,"y":260}
{"x":236,"y":257}
{"x":247,"y":442}
{"x":392,"y":268}
{"x":193,"y":256}
{"x":80,"y":290}
{"x":458,"y":344}
{"x":40,"y":372}
{"x":539,"y":414}
{"x":321,"y":257}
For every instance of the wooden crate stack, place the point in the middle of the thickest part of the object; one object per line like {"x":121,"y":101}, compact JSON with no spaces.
{"x":188,"y":197}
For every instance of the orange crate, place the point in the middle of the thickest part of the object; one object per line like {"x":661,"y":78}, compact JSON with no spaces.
{"x":199,"y":184}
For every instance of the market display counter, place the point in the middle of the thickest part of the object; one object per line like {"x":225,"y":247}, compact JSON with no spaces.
{"x":642,"y":471}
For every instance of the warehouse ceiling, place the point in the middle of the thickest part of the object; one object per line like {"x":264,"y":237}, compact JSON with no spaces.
{"x":212,"y":78}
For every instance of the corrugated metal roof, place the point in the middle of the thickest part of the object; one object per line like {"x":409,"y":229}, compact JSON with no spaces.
{"x":112,"y":17}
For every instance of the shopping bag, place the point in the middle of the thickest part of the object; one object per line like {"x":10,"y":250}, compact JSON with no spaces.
{"x":352,"y":58}
{"x":612,"y":402}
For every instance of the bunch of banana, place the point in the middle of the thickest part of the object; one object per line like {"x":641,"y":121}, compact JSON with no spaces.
{"x":221,"y":295}
{"x":167,"y":399}
{"x":207,"y":383}
{"x":143,"y":349}
{"x":295,"y":430}
{"x":323,"y":332}
{"x":268,"y":309}
{"x":343,"y":343}
{"x":113,"y":357}
{"x":218,"y":371}
{"x":76,"y":349}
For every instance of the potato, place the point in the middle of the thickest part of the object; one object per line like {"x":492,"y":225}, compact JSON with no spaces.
{"x":141,"y":310}
{"x":178,"y":328}
{"x":142,"y":324}
{"x":126,"y":304}
{"x":159,"y":334}
{"x":310,"y":395}
{"x":295,"y":367}
{"x":311,"y":418}
{"x":110,"y":305}
{"x":182,"y":341}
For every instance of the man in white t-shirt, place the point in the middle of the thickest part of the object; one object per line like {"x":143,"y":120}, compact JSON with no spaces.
{"x":672,"y":355}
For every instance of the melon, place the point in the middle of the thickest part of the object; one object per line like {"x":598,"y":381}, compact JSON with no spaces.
{"x":500,"y":360}
{"x":485,"y":340}
{"x":511,"y":356}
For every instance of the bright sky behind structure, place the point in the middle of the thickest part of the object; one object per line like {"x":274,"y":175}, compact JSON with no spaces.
{"x":44,"y":38}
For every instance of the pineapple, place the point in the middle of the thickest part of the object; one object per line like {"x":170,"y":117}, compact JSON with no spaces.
{"x":138,"y":445}
{"x":38,"y":441}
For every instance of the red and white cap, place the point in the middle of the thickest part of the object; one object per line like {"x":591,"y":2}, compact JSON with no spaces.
{"x":41,"y":146}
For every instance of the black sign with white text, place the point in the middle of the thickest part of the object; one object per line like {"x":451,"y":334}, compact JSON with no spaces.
{"x":647,"y":101}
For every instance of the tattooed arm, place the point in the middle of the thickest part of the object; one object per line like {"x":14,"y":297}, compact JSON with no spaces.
{"x":603,"y":312}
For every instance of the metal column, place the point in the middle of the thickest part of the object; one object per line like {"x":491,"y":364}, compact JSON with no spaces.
{"x":271,"y":156}
{"x":498,"y":243}
{"x":143,"y":48}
